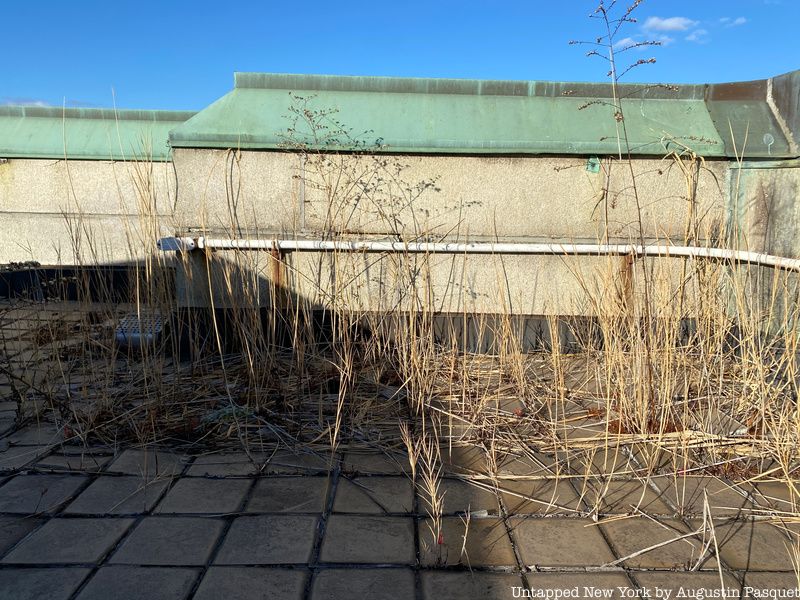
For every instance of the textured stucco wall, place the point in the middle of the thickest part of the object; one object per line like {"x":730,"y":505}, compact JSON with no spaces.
{"x":121,"y":208}
{"x":522,"y":285}
{"x":766,"y":207}
{"x":476,"y":197}
{"x":765,"y":216}
{"x":454,"y":198}
{"x":114,"y":205}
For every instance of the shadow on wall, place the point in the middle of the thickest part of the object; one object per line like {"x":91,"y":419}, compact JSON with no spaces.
{"x":240,"y":307}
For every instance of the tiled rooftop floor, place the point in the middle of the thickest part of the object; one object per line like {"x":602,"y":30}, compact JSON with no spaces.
{"x":136,"y":523}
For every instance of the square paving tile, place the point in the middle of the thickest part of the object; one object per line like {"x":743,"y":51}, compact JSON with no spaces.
{"x":375,"y":463}
{"x":169,"y":541}
{"x":654,"y":458}
{"x":29,"y":494}
{"x":147,"y":463}
{"x":358,"y":539}
{"x":586,"y":429}
{"x":16,"y":457}
{"x":625,"y":497}
{"x":559,"y":409}
{"x":229,"y":464}
{"x":753,"y":546}
{"x":629,"y":536}
{"x":37,"y":434}
{"x":289,"y":494}
{"x":464,"y":459}
{"x":38,"y":584}
{"x":487,"y":543}
{"x":445,"y":585}
{"x":375,"y":584}
{"x":377,"y":494}
{"x":538,"y":496}
{"x":82,"y":449}
{"x":509,"y":405}
{"x":13,"y":529}
{"x":462,"y":497}
{"x":118,"y":496}
{"x":563,"y":458}
{"x":199,"y":495}
{"x":536,"y":464}
{"x":557,"y":542}
{"x":779,"y":495}
{"x":286,"y":462}
{"x":612,"y":461}
{"x":77,"y":463}
{"x":687,"y":493}
{"x":269,"y":540}
{"x":590,"y":585}
{"x":140,"y":583}
{"x":247,"y":583}
{"x":62,"y":541}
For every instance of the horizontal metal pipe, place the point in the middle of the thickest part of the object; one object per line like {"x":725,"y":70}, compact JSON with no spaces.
{"x":553,"y":249}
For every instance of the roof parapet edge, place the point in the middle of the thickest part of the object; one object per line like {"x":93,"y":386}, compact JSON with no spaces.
{"x":55,"y":112}
{"x":473,"y":87}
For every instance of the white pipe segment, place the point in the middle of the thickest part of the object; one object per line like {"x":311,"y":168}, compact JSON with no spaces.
{"x":553,"y":249}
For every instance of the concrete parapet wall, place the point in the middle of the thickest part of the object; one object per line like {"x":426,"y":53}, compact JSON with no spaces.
{"x":519,"y":285}
{"x":464,"y":198}
{"x":70,"y":212}
{"x":116,"y":211}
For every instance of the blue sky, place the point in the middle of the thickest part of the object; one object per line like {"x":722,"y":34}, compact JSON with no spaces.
{"x":182,"y":55}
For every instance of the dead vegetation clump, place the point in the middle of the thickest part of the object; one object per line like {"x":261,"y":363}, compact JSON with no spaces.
{"x":678,"y":367}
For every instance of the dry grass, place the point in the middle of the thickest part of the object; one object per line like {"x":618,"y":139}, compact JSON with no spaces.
{"x":680,"y":367}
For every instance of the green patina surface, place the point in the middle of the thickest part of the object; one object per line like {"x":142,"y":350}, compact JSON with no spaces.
{"x":85,"y":133}
{"x":759,"y":119}
{"x":493,"y":117}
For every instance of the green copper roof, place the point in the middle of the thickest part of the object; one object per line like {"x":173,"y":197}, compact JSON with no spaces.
{"x":501,"y":117}
{"x":86,"y":133}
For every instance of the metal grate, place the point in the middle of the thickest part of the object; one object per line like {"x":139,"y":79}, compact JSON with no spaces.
{"x":137,"y":330}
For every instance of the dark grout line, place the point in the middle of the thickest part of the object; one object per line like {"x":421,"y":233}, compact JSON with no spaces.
{"x":222,"y":515}
{"x":45,"y":517}
{"x":44,"y":521}
{"x":322,"y":524}
{"x":682,"y":518}
{"x":15,"y":566}
{"x":521,"y":567}
{"x":587,"y":509}
{"x":324,"y":566}
{"x":26,"y":468}
{"x":311,"y":475}
{"x":416,"y":508}
{"x":509,"y":570}
{"x":229,"y":518}
{"x":315,"y":566}
{"x":417,"y":549}
{"x":137,"y":520}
